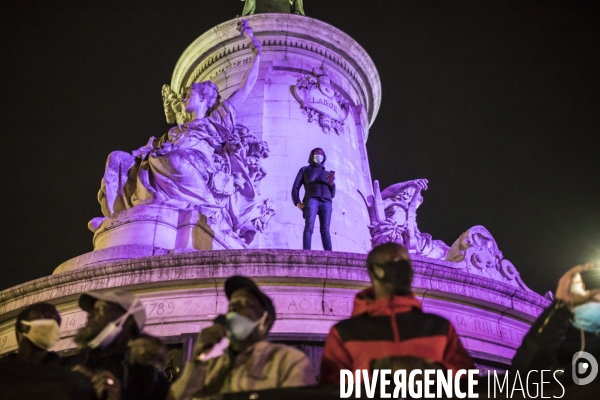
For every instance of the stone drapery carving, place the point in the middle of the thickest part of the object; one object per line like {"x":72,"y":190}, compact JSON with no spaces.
{"x":206,"y":162}
{"x":321,"y":102}
{"x":273,"y":6}
{"x":393,"y":219}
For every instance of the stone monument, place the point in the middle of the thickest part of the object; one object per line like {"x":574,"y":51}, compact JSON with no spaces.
{"x":211,"y":198}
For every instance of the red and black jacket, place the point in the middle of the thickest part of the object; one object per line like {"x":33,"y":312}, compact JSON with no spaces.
{"x":394,"y":326}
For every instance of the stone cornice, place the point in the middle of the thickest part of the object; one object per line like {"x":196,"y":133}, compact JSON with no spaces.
{"x":222,"y":48}
{"x":433,"y":279}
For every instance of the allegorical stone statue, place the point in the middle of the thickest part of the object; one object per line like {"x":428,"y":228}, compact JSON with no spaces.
{"x":273,"y":6}
{"x":393,"y":215}
{"x":206,"y":162}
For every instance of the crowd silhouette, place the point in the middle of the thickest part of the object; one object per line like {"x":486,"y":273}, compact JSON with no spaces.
{"x":234,"y":358}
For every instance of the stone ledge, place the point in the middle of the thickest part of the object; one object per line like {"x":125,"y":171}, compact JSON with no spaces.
{"x":283,"y":267}
{"x":110,"y":254}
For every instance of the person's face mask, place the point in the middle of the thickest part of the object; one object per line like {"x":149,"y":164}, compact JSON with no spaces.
{"x":112,"y":330}
{"x":587,"y":317}
{"x":240,"y":326}
{"x":44,"y":333}
{"x":318,"y":158}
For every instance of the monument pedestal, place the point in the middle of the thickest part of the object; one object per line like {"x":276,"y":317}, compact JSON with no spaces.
{"x":151,"y":230}
{"x":311,"y":290}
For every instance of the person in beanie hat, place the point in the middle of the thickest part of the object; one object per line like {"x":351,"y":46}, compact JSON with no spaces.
{"x":115,"y":317}
{"x":249,"y":361}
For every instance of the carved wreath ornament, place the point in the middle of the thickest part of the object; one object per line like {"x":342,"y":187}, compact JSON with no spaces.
{"x":321,"y":102}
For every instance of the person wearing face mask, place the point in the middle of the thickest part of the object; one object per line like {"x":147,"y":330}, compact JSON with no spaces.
{"x":38,"y":330}
{"x":569,"y":325}
{"x":319,"y":191}
{"x":388,"y":329}
{"x":250,"y":361}
{"x":115,"y":318}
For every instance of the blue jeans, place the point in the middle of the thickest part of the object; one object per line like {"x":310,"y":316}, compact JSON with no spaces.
{"x":312,"y":208}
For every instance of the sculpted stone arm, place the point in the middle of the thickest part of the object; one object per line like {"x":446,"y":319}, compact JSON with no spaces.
{"x":240,"y":95}
{"x":394,"y":190}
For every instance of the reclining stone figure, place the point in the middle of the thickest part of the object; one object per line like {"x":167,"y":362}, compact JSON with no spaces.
{"x":206,"y":162}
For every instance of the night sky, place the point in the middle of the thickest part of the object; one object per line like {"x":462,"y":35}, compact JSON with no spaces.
{"x":497,"y":103}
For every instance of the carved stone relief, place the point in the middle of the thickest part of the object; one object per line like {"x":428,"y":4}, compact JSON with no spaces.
{"x":393,"y":215}
{"x":477,"y":249}
{"x":321,"y":102}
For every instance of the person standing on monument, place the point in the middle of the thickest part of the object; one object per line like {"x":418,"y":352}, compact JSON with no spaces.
{"x":319,"y":191}
{"x":388,"y":329}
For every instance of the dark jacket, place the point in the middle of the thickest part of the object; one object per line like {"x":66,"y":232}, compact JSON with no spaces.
{"x":52,"y":358}
{"x":21,"y":380}
{"x":139,"y":382}
{"x":313,"y":177}
{"x":552,"y":341}
{"x":394,"y":326}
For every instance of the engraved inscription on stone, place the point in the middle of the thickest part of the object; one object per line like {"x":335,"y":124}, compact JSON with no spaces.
{"x":8,"y":341}
{"x":465,"y":323}
{"x":319,"y":306}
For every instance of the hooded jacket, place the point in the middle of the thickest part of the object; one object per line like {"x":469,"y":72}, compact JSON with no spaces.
{"x":394,"y":326}
{"x":314,"y":179}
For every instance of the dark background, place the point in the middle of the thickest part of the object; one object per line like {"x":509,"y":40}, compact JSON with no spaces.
{"x":497,"y":103}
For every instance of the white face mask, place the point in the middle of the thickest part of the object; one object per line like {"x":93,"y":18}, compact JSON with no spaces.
{"x":240,"y":326}
{"x":44,"y":333}
{"x":318,"y":158}
{"x":112,"y":330}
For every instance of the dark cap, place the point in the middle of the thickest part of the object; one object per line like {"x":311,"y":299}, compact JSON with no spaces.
{"x":241,"y":282}
{"x":127,"y":301}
